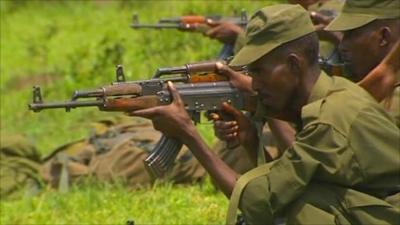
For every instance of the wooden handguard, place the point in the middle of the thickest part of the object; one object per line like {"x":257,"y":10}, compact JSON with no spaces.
{"x":122,"y":89}
{"x":130,"y":104}
{"x":193,"y":19}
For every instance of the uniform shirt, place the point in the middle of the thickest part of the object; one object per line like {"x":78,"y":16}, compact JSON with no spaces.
{"x":392,"y":105}
{"x":346,"y":139}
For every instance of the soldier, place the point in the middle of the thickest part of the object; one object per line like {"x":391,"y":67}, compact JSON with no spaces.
{"x":278,"y":135}
{"x":380,"y":27}
{"x":369,"y":34}
{"x":344,"y":161}
{"x":321,"y":12}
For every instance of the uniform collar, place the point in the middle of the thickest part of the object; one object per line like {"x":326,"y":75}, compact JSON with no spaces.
{"x":321,"y":87}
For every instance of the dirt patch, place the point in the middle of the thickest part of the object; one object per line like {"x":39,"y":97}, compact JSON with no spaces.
{"x":24,"y":82}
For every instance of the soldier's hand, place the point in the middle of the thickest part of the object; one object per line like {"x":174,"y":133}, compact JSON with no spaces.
{"x":320,"y":21}
{"x":237,"y":79}
{"x":224,"y":130}
{"x":224,"y":32}
{"x":239,"y":129}
{"x":172,"y":120}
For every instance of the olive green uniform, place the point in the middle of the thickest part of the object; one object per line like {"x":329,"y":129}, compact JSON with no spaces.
{"x":343,"y":164}
{"x":392,"y":105}
{"x":343,"y":167}
{"x":359,"y":13}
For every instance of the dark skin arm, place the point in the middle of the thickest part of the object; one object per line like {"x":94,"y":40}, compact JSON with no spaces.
{"x":173,"y":121}
{"x":320,"y":22}
{"x":224,"y":32}
{"x":381,"y":81}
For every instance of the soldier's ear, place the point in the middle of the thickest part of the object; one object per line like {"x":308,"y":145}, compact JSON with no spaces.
{"x":294,"y":63}
{"x":385,"y":34}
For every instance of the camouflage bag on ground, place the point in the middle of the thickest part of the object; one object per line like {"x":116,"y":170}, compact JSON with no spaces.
{"x":115,"y":152}
{"x":19,"y":166}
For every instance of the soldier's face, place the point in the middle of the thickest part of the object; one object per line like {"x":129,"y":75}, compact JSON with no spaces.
{"x":274,"y":83}
{"x":359,"y":49}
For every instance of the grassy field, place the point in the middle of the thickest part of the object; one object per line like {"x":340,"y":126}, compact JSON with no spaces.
{"x":95,"y":203}
{"x":68,"y":45}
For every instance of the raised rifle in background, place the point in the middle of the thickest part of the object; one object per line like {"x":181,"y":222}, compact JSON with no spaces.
{"x":190,"y":22}
{"x":195,"y":23}
{"x":198,"y":84}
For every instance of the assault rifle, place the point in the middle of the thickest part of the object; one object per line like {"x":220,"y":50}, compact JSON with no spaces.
{"x":194,"y":23}
{"x":190,"y":22}
{"x":198,"y":84}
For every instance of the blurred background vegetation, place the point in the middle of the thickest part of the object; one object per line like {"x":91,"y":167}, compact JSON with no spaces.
{"x":67,"y":45}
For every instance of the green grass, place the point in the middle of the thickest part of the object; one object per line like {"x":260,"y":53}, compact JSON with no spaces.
{"x":67,"y":45}
{"x":102,"y":203}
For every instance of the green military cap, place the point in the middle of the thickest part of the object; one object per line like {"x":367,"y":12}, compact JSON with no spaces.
{"x":357,"y":13}
{"x":271,"y":27}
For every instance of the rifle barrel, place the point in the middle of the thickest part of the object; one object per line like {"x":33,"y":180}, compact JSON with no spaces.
{"x":157,"y":26}
{"x":36,"y":107}
{"x":170,"y":20}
